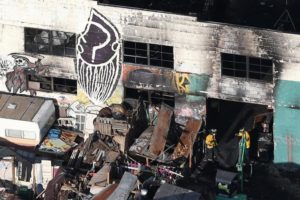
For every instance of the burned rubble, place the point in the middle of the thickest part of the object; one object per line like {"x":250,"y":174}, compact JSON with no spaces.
{"x":131,"y":154}
{"x":139,"y":151}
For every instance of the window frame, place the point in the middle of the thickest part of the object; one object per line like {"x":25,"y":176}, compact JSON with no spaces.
{"x":50,"y":50}
{"x":81,"y":122}
{"x":150,"y":96}
{"x":52,"y":84}
{"x":144,"y":54}
{"x":242,"y":63}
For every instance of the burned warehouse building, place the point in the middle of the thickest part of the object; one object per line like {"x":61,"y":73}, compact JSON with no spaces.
{"x":99,"y":100}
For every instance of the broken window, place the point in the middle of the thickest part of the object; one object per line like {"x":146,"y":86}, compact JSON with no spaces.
{"x":50,"y":42}
{"x":152,"y":97}
{"x":247,"y":67}
{"x":53,"y":84}
{"x":148,"y":54}
{"x":64,"y":85}
{"x":162,"y":97}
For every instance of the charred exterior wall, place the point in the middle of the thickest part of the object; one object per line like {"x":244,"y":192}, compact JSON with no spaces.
{"x":197,"y":52}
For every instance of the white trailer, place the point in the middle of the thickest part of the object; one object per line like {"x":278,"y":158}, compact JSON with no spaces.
{"x":25,"y":120}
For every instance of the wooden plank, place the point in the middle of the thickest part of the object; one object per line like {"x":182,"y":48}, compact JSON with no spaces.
{"x":121,"y":125}
{"x":142,"y":143}
{"x":104,"y":194}
{"x":126,"y":185}
{"x":121,"y":140}
{"x":111,"y":156}
{"x":100,"y":178}
{"x":103,"y":125}
{"x":187,"y":138}
{"x":160,"y":132}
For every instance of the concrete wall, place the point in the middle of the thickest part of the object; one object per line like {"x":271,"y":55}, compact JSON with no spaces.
{"x":197,"y":48}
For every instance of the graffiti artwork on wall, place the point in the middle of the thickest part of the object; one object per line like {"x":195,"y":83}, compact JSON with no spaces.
{"x":153,"y":78}
{"x":16,"y":68}
{"x":182,"y":82}
{"x":189,"y":89}
{"x":150,"y":78}
{"x":98,"y":58}
{"x":6,"y":64}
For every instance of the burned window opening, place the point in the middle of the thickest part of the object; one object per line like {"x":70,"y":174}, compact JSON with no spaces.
{"x":148,"y":54}
{"x":151,"y":97}
{"x":50,"y":42}
{"x":247,"y":67}
{"x":53,"y":84}
{"x":64,"y":85}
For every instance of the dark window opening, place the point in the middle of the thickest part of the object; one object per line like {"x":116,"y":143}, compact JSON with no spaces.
{"x":53,"y":84}
{"x":151,"y":97}
{"x":24,"y":171}
{"x":247,"y":67}
{"x":65,"y":85}
{"x":50,"y":42}
{"x":148,"y":54}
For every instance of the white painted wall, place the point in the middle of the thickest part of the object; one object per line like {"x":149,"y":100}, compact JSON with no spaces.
{"x":197,"y":45}
{"x":47,"y":172}
{"x":11,"y":37}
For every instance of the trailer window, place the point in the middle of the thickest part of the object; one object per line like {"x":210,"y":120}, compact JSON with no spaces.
{"x":20,"y":134}
{"x":13,"y":133}
{"x":29,"y":135}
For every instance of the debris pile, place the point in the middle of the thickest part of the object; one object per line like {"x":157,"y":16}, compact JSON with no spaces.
{"x":133,"y":153}
{"x":60,"y":141}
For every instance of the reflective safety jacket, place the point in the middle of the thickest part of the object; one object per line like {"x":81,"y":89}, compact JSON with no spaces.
{"x":210,"y":141}
{"x":246,"y":135}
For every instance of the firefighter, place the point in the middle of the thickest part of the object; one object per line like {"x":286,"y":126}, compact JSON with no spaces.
{"x":210,"y":143}
{"x":245,"y":134}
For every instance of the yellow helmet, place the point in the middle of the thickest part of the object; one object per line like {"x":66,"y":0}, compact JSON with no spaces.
{"x":213,"y":131}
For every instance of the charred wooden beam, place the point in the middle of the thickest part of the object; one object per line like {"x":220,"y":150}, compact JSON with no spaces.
{"x":101,"y":177}
{"x":141,"y":144}
{"x":160,"y":133}
{"x":126,"y":185}
{"x":187,"y":138}
{"x":105,"y":193}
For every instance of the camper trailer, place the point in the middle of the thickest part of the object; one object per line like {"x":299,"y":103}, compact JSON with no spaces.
{"x":25,"y":120}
